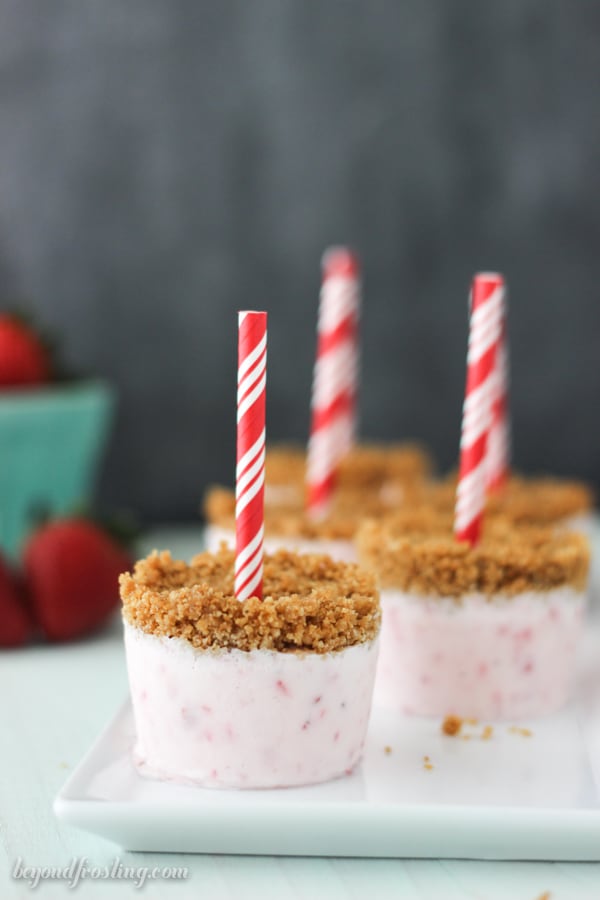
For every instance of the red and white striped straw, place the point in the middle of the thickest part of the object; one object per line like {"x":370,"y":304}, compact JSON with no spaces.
{"x":250,"y":470}
{"x":484,"y":335}
{"x":335,"y":381}
{"x":499,"y":439}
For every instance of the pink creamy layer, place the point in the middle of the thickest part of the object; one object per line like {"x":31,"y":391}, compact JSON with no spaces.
{"x":341,"y":551}
{"x":258,"y":719}
{"x":505,"y":658}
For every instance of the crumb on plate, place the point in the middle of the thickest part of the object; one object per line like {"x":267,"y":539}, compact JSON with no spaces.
{"x":523,"y":732}
{"x":452,"y":725}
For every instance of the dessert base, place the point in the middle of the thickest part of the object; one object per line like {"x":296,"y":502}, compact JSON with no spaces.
{"x":499,"y":658}
{"x":247,"y":719}
{"x":341,"y":551}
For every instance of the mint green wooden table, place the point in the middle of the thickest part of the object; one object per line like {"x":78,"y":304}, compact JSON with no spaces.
{"x":54,"y":702}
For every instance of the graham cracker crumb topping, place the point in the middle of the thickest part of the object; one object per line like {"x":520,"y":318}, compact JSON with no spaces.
{"x":541,"y":501}
{"x":525,"y":501}
{"x":367,"y":464}
{"x":290,"y":520}
{"x":372,"y":464}
{"x":424,"y":558}
{"x":311,"y":603}
{"x":371,"y":479}
{"x":285,"y":464}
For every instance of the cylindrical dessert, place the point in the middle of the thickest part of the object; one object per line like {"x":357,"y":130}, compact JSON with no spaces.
{"x":291,"y":528}
{"x":387,"y":470}
{"x":540,"y":502}
{"x":256,"y":693}
{"x":373,"y":479}
{"x":488,"y":631}
{"x":552,"y":502}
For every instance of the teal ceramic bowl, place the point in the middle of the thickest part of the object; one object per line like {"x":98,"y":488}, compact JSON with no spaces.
{"x":51,"y":443}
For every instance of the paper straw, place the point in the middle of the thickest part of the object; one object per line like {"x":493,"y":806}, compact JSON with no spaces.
{"x":250,"y":470}
{"x":499,"y":438}
{"x":335,"y":382}
{"x":484,"y":335}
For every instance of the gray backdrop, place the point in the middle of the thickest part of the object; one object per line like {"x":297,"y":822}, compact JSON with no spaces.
{"x":164,"y":163}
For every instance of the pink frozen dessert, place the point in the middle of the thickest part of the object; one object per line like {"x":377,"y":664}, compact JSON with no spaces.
{"x":389,"y":471}
{"x":372,"y":480}
{"x":489,"y":631}
{"x":545,"y":502}
{"x":255,"y":693}
{"x":290,"y":527}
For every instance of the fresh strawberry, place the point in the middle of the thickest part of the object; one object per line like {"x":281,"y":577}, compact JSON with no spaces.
{"x":24,"y":360}
{"x":16,"y":623}
{"x":71,"y":570}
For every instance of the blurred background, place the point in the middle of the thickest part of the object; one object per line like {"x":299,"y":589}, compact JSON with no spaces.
{"x":163,"y":164}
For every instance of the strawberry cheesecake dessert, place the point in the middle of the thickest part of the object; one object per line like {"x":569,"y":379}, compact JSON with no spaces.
{"x":371,"y":481}
{"x":546,"y":501}
{"x":487,"y":631}
{"x":254,"y":693}
{"x":387,"y":471}
{"x":291,"y":527}
{"x":532,"y":501}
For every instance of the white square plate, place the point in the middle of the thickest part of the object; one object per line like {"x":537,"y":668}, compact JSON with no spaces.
{"x":511,"y":796}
